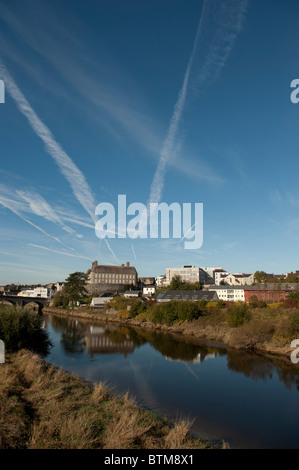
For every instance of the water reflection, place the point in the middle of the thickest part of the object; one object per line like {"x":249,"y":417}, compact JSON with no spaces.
{"x":79,"y":336}
{"x":248,"y":399}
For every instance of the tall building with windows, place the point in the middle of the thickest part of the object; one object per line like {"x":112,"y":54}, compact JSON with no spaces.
{"x":187,"y":273}
{"x":102,"y":278}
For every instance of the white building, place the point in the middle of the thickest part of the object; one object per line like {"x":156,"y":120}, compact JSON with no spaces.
{"x":187,"y":273}
{"x":100,"y":302}
{"x":213,"y":274}
{"x":43,"y":292}
{"x":149,"y":290}
{"x":160,"y":281}
{"x":131,"y":294}
{"x":239,"y":279}
{"x":229,"y":294}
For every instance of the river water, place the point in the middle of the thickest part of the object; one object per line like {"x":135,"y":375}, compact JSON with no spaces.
{"x":244,"y":398}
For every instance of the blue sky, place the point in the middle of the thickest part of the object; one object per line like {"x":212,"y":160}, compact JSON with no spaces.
{"x":166,"y":100}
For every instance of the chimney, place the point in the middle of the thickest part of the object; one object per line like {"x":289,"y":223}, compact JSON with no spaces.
{"x":127,"y":264}
{"x":94,"y":264}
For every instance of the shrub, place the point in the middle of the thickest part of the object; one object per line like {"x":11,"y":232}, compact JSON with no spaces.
{"x":119,"y":303}
{"x":137,"y":308}
{"x":22,"y":329}
{"x":254,"y":302}
{"x":172,"y":311}
{"x":253,"y":333}
{"x":124,"y":314}
{"x":238,"y":314}
{"x":295,"y":322}
{"x":274,"y":305}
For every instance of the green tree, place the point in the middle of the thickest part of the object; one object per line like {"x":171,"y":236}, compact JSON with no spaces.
{"x":238,"y":314}
{"x":74,"y":287}
{"x":175,"y":283}
{"x":293,"y":295}
{"x":260,"y":276}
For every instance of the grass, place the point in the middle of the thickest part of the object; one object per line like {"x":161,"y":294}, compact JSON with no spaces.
{"x":42,"y":407}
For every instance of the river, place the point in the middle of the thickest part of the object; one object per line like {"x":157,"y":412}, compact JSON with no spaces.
{"x":247,"y":399}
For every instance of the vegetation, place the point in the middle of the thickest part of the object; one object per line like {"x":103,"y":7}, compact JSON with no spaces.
{"x":22,"y":329}
{"x":42,"y":407}
{"x":238,"y":314}
{"x":177,"y":284}
{"x":74,"y":286}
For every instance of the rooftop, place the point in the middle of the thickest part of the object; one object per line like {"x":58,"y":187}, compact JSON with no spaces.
{"x":186,"y":295}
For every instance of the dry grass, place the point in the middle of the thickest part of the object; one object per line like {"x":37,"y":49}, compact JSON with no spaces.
{"x":42,"y":407}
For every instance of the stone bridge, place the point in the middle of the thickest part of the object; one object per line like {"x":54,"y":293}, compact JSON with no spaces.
{"x":22,"y":301}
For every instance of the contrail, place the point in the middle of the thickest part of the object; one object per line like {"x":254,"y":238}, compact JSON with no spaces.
{"x":133,"y":251}
{"x":170,"y":141}
{"x":58,"y":252}
{"x":6,"y":203}
{"x":66,"y":165}
{"x":229,"y":20}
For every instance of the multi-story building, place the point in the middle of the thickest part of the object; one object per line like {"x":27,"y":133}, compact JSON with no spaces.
{"x":187,"y":273}
{"x":212,"y":275}
{"x":160,"y":281}
{"x":43,"y":292}
{"x":102,"y":278}
{"x":269,"y":293}
{"x":238,"y":279}
{"x":229,"y":294}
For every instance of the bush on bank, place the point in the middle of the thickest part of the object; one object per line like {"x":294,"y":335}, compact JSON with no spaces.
{"x":238,"y":314}
{"x":22,"y":329}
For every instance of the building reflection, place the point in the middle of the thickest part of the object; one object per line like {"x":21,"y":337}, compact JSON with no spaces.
{"x":98,"y":340}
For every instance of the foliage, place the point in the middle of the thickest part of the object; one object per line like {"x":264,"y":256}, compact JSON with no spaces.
{"x":260,"y":276}
{"x":74,"y":287}
{"x":177,"y":284}
{"x":60,"y":299}
{"x":292,"y":277}
{"x":237,"y":314}
{"x":172,"y":311}
{"x":119,"y":303}
{"x":22,"y":329}
{"x":253,"y":333}
{"x":295,"y":322}
{"x":293,"y":295}
{"x":128,"y":287}
{"x":254,"y":302}
{"x":137,"y":308}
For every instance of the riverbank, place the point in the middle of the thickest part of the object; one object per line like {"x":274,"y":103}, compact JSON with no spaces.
{"x":43,"y":407}
{"x":266,"y":332}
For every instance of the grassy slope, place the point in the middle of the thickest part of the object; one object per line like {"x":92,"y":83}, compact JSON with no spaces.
{"x":42,"y":407}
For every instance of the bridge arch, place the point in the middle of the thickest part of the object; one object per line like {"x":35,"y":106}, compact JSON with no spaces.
{"x":34,"y":303}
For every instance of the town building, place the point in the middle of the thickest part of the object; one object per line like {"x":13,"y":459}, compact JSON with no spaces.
{"x":229,"y":294}
{"x":187,"y":273}
{"x":42,"y":292}
{"x":161,"y":281}
{"x":270,"y":292}
{"x":132,"y":294}
{"x":146,"y":281}
{"x":102,"y":278}
{"x":100,"y":302}
{"x":238,"y":279}
{"x":212,"y":275}
{"x":148,"y":290}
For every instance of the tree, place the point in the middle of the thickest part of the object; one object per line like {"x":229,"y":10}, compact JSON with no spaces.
{"x":74,"y":286}
{"x":237,"y":314}
{"x":260,"y":276}
{"x":175,"y":283}
{"x":128,"y":287}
